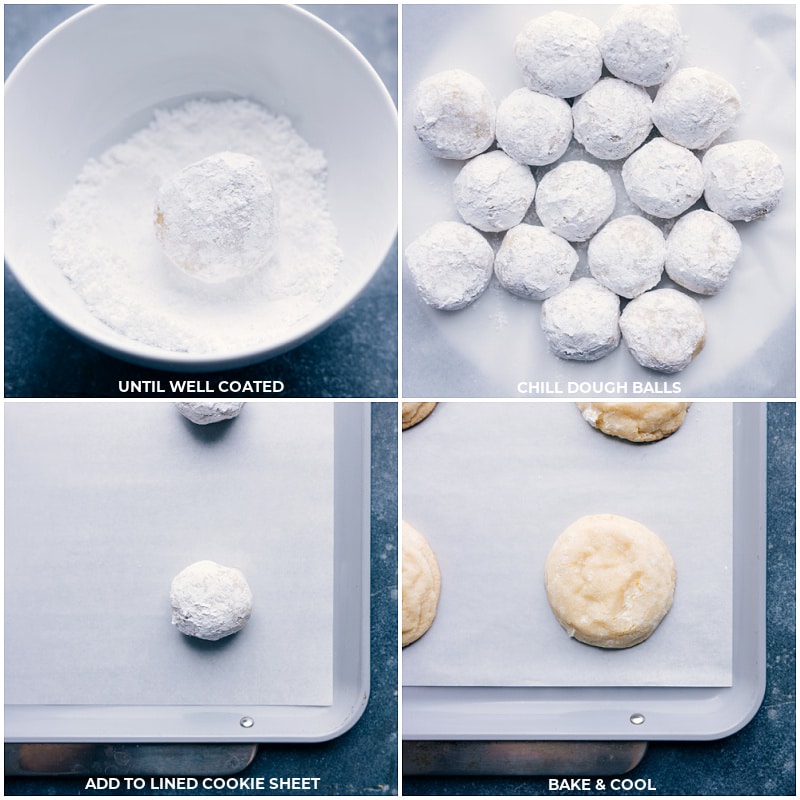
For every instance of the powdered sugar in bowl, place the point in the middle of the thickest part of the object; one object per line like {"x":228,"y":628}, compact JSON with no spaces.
{"x":149,"y":72}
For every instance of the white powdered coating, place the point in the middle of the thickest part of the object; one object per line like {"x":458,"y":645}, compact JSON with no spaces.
{"x":702,"y":248}
{"x":663,"y":178}
{"x":694,"y":107}
{"x":493,"y":192}
{"x":103,"y":233}
{"x":582,"y":322}
{"x":206,"y":413}
{"x":559,"y":54}
{"x":453,"y":114}
{"x":743,"y":180}
{"x":612,"y":119}
{"x":534,"y":128}
{"x":217,"y":219}
{"x":451,"y":264}
{"x":627,"y":256}
{"x":664,"y":329}
{"x":642,"y":44}
{"x":574,"y":199}
{"x":210,"y":601}
{"x":533,"y":262}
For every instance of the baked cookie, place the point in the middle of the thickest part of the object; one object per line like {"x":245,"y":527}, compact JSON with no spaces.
{"x":421,"y":584}
{"x":609,"y":580}
{"x":636,"y":422}
{"x":414,"y":413}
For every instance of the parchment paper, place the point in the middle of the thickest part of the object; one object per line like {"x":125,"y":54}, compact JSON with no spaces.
{"x":492,"y":485}
{"x":107,"y":502}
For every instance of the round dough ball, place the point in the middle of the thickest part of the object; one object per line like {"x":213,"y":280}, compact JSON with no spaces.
{"x":217,"y":219}
{"x":702,"y":248}
{"x":694,"y":107}
{"x":612,"y":119}
{"x":533,"y":262}
{"x":534,"y":128}
{"x":743,"y":180}
{"x":205,"y":413}
{"x":492,"y":192}
{"x":210,"y":601}
{"x":664,"y":329}
{"x":559,"y":54}
{"x":582,"y":322}
{"x":451,"y":264}
{"x":636,"y":422}
{"x":422,"y":583}
{"x":642,"y":44}
{"x":663,"y":178}
{"x":414,"y":413}
{"x":610,"y":581}
{"x":453,"y":114}
{"x":574,"y":199}
{"x":627,"y":256}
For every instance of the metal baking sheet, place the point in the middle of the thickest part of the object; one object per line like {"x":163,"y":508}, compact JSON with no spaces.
{"x":572,"y":691}
{"x":106,"y":502}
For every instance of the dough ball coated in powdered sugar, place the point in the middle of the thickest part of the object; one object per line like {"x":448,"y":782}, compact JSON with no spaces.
{"x":210,"y":601}
{"x":627,"y":256}
{"x":743,"y":180}
{"x":453,"y":115}
{"x":694,"y":107}
{"x":642,"y":44}
{"x":559,"y":54}
{"x":451,"y":264}
{"x":663,"y":178}
{"x":534,"y":128}
{"x":664,"y":329}
{"x":702,"y":248}
{"x":205,"y":413}
{"x":612,"y":119}
{"x":581,"y":323}
{"x":217,"y":219}
{"x":493,"y":192}
{"x":533,"y":262}
{"x":574,"y":199}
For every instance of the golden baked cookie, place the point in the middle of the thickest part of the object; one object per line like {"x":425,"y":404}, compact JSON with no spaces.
{"x":421,"y":584}
{"x":414,"y":413}
{"x":636,"y":422}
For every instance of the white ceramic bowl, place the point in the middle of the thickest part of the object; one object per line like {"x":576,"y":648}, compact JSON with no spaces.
{"x":97,"y":78}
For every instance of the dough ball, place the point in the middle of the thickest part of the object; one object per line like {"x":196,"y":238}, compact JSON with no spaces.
{"x":533,"y":262}
{"x":636,"y":422}
{"x":642,"y":44}
{"x":217,"y":219}
{"x":744,"y":180}
{"x":663,"y":178}
{"x":559,"y":54}
{"x":414,"y":413}
{"x":422,"y":583}
{"x":609,"y":580}
{"x":492,"y":192}
{"x":574,"y":199}
{"x":627,"y":255}
{"x":664,"y":329}
{"x":694,"y":107}
{"x":612,"y":119}
{"x":534,"y":128}
{"x":582,"y":322}
{"x":702,"y":248}
{"x":451,"y":264}
{"x":205,"y":413}
{"x":210,"y":601}
{"x":453,"y":114}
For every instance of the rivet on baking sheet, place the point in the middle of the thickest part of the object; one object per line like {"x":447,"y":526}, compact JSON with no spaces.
{"x":247,"y":722}
{"x":637,"y":719}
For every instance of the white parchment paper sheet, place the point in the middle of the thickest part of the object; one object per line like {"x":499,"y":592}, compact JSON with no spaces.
{"x":107,"y":502}
{"x":492,"y":485}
